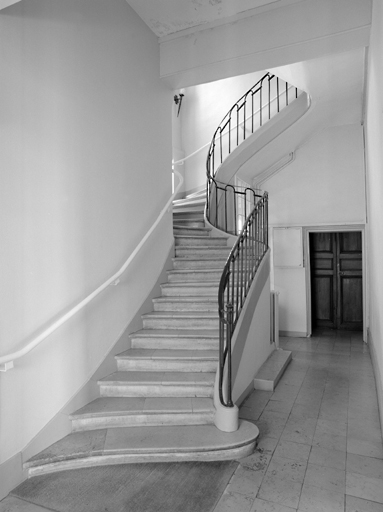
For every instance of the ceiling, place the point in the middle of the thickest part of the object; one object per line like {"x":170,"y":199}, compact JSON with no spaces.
{"x":166,"y":17}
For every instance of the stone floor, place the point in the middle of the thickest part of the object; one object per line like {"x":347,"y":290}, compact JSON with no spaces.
{"x":320,"y":446}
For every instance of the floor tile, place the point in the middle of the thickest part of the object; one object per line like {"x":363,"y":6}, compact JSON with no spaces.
{"x":291,"y":450}
{"x":330,"y":441}
{"x":268,"y":506}
{"x":327,"y":478}
{"x":367,"y":447}
{"x":259,"y":460}
{"x":325,"y":426}
{"x":365,"y":487}
{"x":368,"y":466}
{"x":245,"y":481}
{"x":280,"y":406}
{"x":328,"y":458}
{"x":359,"y":505}
{"x":233,"y":502}
{"x":314,"y":499}
{"x":286,"y":469}
{"x":299,"y":430}
{"x":283,"y":491}
{"x":272,"y":424}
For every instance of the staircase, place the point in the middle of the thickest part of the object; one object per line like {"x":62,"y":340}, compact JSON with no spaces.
{"x":158,"y":405}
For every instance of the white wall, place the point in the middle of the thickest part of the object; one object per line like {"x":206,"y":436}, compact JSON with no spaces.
{"x":374,"y":131}
{"x":85,"y":171}
{"x":323,"y":186}
{"x":203,"y":108}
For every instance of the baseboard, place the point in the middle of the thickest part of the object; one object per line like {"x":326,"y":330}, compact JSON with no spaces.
{"x":245,"y":394}
{"x":293,"y":334}
{"x":11,"y":474}
{"x":378,"y":375}
{"x":11,"y":471}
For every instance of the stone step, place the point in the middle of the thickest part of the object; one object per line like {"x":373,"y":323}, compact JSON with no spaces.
{"x":110,"y":412}
{"x":208,"y":303}
{"x":197,"y":251}
{"x":199,"y":200}
{"x":180,"y":230}
{"x":175,"y":339}
{"x":272,"y":370}
{"x":158,"y":384}
{"x":190,"y":223}
{"x":200,"y":240}
{"x":180,"y":320}
{"x":144,"y":444}
{"x":187,"y":275}
{"x":181,"y":263}
{"x":190,"y":289}
{"x":189,"y":208}
{"x":162,"y":360}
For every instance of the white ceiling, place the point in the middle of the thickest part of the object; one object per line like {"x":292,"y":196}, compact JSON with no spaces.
{"x":165,"y":17}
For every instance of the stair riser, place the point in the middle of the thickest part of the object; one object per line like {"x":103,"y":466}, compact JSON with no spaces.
{"x":150,"y":365}
{"x":195,"y":253}
{"x":189,"y":291}
{"x":212,"y":242}
{"x":187,"y":307}
{"x":179,"y":264}
{"x":190,"y":232}
{"x":181,"y":323}
{"x":194,"y":277}
{"x":175,"y":343}
{"x":157,"y":391}
{"x":136,"y":420}
{"x":190,"y":223}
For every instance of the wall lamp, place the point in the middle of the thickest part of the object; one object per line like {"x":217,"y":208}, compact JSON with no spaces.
{"x":178,"y":101}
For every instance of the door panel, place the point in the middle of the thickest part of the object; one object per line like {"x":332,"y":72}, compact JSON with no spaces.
{"x":336,"y":280}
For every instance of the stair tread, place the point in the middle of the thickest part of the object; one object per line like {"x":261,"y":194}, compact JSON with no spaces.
{"x":195,"y":284}
{"x":159,"y":378}
{"x":135,"y":353}
{"x":182,"y":298}
{"x":202,"y":237}
{"x":177,"y":333}
{"x":119,"y":406}
{"x":195,"y":271}
{"x":180,"y":314}
{"x":77,"y":448}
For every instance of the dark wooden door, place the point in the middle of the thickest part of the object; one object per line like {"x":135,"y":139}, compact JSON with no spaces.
{"x":336,"y":280}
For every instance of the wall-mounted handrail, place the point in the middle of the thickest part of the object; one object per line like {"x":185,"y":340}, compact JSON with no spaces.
{"x":7,"y":360}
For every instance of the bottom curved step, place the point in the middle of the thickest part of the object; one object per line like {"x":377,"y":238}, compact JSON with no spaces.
{"x":144,"y":444}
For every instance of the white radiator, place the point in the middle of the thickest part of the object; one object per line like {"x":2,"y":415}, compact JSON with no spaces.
{"x":274,"y":320}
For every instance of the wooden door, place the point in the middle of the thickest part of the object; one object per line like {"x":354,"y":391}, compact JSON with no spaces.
{"x":336,"y":280}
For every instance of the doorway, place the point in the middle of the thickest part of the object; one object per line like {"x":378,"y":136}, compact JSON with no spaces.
{"x":336,"y":279}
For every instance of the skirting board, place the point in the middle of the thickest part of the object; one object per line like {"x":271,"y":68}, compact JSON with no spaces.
{"x":11,"y":474}
{"x":293,"y":334}
{"x":378,"y":375}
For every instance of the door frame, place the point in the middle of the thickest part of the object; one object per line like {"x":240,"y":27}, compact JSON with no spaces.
{"x":306,"y":258}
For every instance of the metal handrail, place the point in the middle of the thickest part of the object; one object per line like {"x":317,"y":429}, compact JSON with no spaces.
{"x":6,"y":361}
{"x":257,"y":106}
{"x":223,"y":202}
{"x":237,"y":277}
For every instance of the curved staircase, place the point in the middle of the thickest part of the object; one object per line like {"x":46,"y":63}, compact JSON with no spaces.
{"x":158,"y":405}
